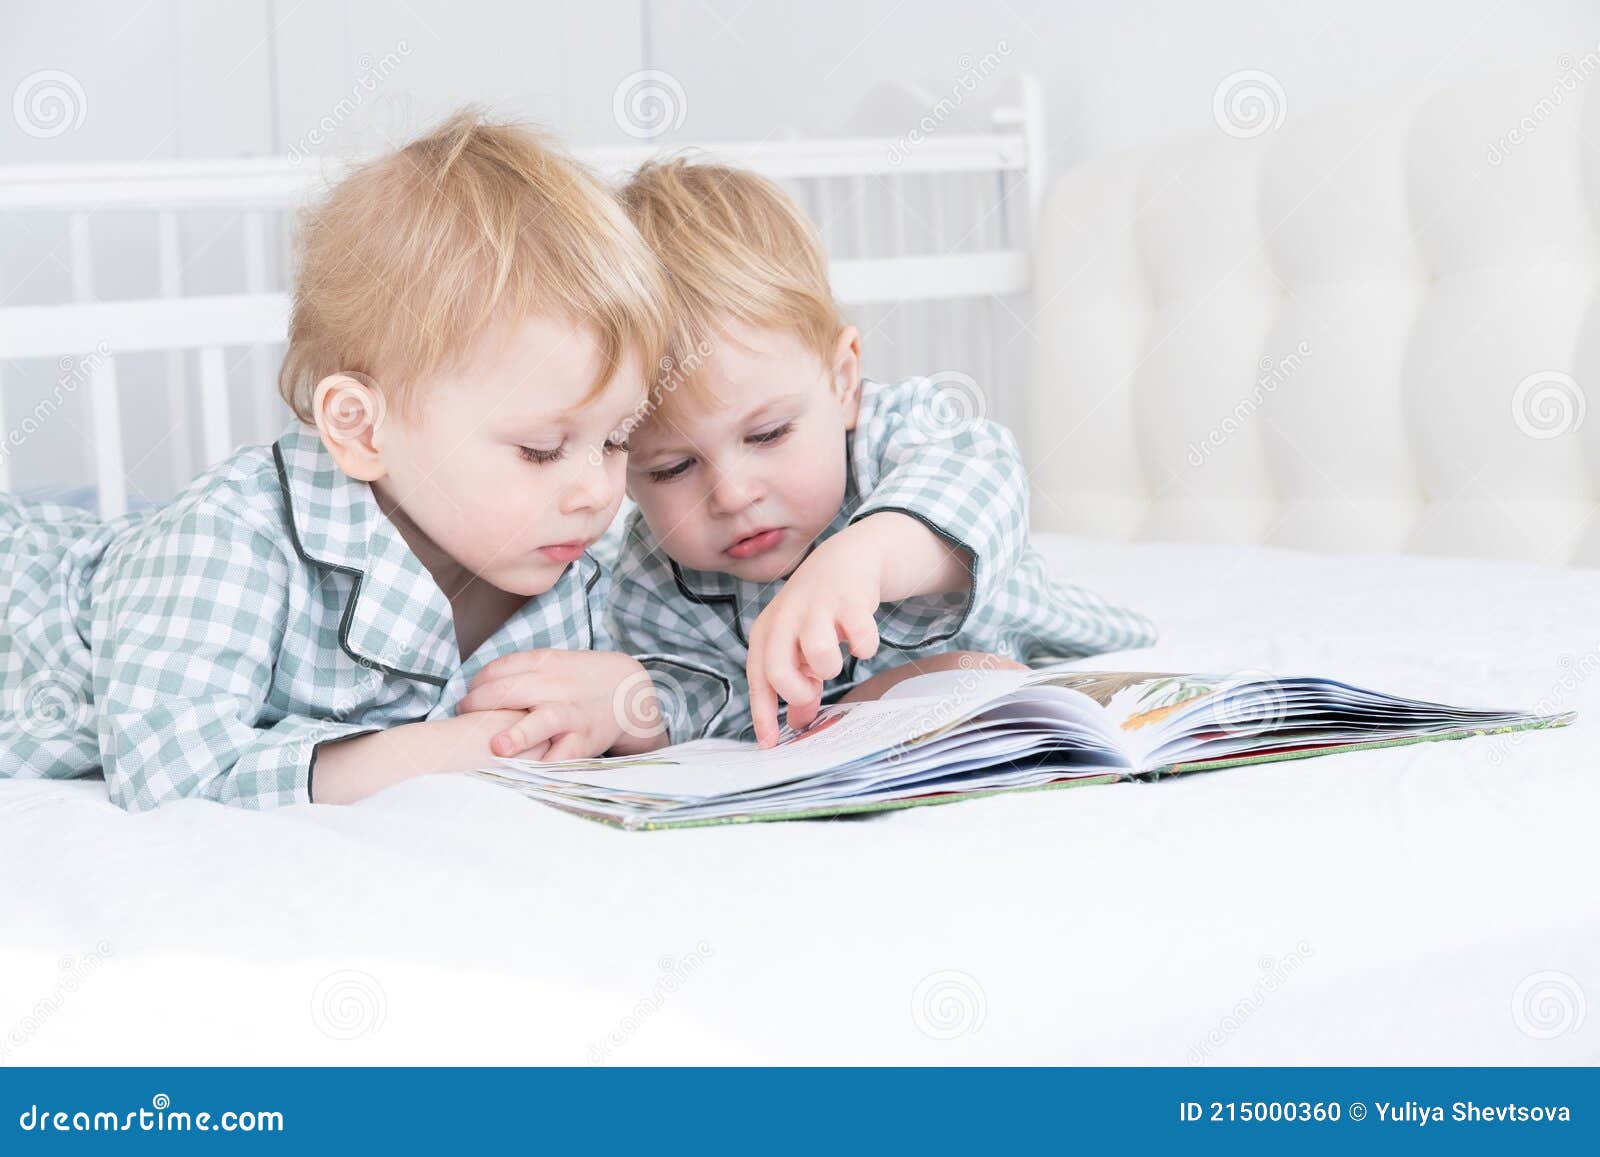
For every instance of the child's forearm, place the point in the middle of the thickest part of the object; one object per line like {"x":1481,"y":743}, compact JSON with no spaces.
{"x":350,"y":769}
{"x":915,"y":561}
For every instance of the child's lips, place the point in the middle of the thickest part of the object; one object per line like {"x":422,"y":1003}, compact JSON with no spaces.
{"x":756,"y":544}
{"x":564,"y":551}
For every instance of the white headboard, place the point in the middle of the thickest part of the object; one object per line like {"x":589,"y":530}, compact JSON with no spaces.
{"x":928,"y":235}
{"x":1372,"y":330}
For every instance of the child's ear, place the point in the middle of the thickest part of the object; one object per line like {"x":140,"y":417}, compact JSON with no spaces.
{"x":845,"y":372}
{"x":349,"y":409}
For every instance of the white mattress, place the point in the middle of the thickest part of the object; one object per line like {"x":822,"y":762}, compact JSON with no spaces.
{"x":1435,"y":904}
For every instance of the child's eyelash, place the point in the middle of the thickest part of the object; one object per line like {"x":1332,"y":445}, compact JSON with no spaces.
{"x":545,"y":457}
{"x":679,"y":469}
{"x":542,"y":457}
{"x":767,"y":437}
{"x":668,"y":473}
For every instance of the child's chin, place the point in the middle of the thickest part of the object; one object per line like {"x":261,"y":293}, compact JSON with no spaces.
{"x":527,"y":581}
{"x":767,"y":568}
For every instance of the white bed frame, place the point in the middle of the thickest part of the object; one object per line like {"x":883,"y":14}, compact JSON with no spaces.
{"x":986,"y":262}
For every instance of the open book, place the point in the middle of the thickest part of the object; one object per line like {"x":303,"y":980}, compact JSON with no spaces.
{"x":971,"y":732}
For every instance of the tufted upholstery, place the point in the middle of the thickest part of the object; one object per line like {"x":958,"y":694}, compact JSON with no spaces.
{"x":1369,"y":330}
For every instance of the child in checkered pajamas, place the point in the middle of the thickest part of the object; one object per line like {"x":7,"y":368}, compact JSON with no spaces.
{"x":786,"y":506}
{"x":305,"y":622}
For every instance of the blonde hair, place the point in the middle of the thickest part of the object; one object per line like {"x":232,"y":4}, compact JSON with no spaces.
{"x":733,"y":244}
{"x":416,"y":255}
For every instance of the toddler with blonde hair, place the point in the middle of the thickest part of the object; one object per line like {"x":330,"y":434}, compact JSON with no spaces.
{"x":472,"y":326}
{"x":804,"y":534}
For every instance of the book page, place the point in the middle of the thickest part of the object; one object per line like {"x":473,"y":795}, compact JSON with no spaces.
{"x":1134,"y":699}
{"x":842,"y":734}
{"x":960,"y":685}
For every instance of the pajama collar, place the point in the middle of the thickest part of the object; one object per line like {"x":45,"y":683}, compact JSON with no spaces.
{"x":397,"y":620}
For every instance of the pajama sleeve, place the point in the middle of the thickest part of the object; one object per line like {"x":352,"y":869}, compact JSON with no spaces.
{"x":920,"y":451}
{"x":189,"y":620}
{"x":695,"y":663}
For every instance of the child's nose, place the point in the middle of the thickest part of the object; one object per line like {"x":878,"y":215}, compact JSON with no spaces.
{"x":590,"y":490}
{"x":734,"y":492}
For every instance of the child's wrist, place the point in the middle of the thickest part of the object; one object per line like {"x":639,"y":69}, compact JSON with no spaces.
{"x":478,"y":728}
{"x":911,"y":559}
{"x":893,"y":541}
{"x":640,"y":725}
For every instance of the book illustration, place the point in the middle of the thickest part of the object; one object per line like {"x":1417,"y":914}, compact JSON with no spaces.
{"x":1140,"y":698}
{"x":826,"y":718}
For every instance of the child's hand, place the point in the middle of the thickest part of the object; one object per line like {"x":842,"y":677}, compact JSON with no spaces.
{"x":571,"y":700}
{"x":794,"y":646}
{"x":833,"y":597}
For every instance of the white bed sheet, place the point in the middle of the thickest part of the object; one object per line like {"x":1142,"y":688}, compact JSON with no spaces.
{"x":1435,"y":904}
